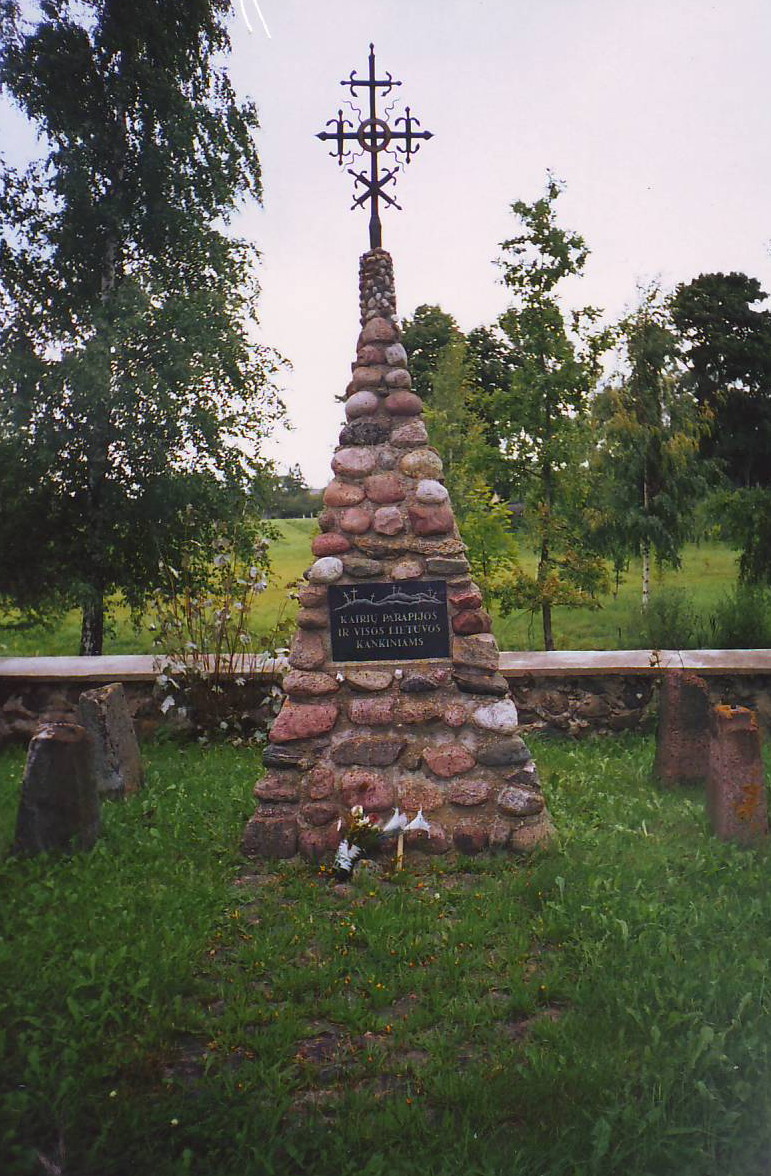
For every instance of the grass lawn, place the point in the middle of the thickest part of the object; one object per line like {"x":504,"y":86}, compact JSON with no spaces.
{"x":708,"y":572}
{"x":603,"y":1009}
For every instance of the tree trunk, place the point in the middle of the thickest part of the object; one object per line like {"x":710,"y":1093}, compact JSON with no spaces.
{"x":548,"y":632}
{"x":646,"y":547}
{"x":92,"y":626}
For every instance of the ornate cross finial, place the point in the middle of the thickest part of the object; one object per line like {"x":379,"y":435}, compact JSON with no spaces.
{"x":374,"y":135}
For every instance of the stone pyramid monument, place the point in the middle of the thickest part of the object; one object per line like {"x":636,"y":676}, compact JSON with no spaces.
{"x":394,"y":696}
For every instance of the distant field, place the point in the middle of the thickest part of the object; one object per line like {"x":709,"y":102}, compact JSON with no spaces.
{"x":708,"y":572}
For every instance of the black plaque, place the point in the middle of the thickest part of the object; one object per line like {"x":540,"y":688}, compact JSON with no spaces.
{"x":404,"y":621}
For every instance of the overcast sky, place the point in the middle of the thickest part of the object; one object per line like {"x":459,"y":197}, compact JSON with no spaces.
{"x":655,"y":113}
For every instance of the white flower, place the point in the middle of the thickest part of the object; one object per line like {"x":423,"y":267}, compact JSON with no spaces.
{"x":220,"y":560}
{"x":418,"y":824}
{"x":167,"y":704}
{"x":240,"y":681}
{"x":396,"y":824}
{"x":245,"y":638}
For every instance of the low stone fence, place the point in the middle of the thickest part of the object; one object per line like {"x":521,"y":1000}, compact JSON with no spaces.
{"x":576,"y":693}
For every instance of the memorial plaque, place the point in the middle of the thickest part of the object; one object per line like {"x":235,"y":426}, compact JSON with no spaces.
{"x":389,"y":622}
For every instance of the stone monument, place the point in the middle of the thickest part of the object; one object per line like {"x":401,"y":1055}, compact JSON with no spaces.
{"x":394,"y":698}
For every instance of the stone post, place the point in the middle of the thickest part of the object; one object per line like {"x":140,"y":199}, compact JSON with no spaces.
{"x":682,"y":737}
{"x":59,"y":806}
{"x":736,"y":793}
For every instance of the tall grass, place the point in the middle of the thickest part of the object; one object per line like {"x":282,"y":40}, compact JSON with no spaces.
{"x":600,"y":1009}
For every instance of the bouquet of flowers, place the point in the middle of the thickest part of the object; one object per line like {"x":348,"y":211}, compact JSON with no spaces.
{"x":361,"y":836}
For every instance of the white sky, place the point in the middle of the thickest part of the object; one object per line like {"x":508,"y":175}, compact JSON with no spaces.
{"x":656,"y":113}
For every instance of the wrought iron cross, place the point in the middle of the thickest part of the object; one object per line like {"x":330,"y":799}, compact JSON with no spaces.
{"x":374,"y":135}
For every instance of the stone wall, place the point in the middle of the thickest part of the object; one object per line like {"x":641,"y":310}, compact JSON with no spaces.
{"x":557,"y":702}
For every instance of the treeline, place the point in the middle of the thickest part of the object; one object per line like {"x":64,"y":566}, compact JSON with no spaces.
{"x":593,"y":442}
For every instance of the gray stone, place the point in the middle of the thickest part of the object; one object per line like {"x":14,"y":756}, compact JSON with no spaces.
{"x":364,"y":433}
{"x":117,"y":763}
{"x":478,"y":682}
{"x":362,"y":568}
{"x":270,"y":837}
{"x":395,"y":354}
{"x":520,"y":802}
{"x":284,"y":759}
{"x":497,"y":716}
{"x":370,"y":752}
{"x":431,"y":492}
{"x":504,"y":753}
{"x":59,"y":806}
{"x":439,"y":566}
{"x":361,"y":404}
{"x":325,"y":570}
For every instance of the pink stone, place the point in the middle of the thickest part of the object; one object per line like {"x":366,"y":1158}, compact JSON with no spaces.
{"x":313,"y":618}
{"x":385,"y":488}
{"x":471,"y":621}
{"x":270,"y":837}
{"x":312,"y":595}
{"x":356,"y":520}
{"x":321,"y":783}
{"x":361,"y":404}
{"x":411,"y":433}
{"x":320,"y":814}
{"x":318,"y":843}
{"x":682,"y":738}
{"x":398,"y":378}
{"x":374,"y":712}
{"x":435,"y":841}
{"x":367,"y":377}
{"x":354,"y":462}
{"x":301,"y":682}
{"x":470,"y":837}
{"x":371,"y":791}
{"x":379,"y":330}
{"x":308,"y":651}
{"x":422,"y":463}
{"x":431,"y":520}
{"x":469,"y":598}
{"x":370,"y":354}
{"x":538,"y":831}
{"x":330,"y":544}
{"x":408,"y":569}
{"x":343,"y":494}
{"x":403,"y":403}
{"x":469,"y":792}
{"x":302,"y":721}
{"x":419,"y":709}
{"x":456,"y":715}
{"x":388,"y":520}
{"x":416,"y":792}
{"x":327,"y":520}
{"x":276,"y":787}
{"x":449,"y":759}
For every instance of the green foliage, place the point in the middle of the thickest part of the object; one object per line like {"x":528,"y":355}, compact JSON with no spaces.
{"x":292,"y":498}
{"x":669,"y":621}
{"x":425,"y":336}
{"x":577,"y":1012}
{"x":648,"y":474}
{"x":457,"y":433}
{"x":540,"y":418}
{"x":744,"y":519}
{"x":728,"y":352}
{"x":129,"y":383}
{"x":741,"y":619}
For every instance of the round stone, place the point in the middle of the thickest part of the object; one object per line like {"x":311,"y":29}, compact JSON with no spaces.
{"x":343,"y":494}
{"x":371,"y":354}
{"x":330,"y":544}
{"x":421,"y":463}
{"x":395,"y":354}
{"x":450,"y":759}
{"x":403,"y":403}
{"x":387,"y":458}
{"x":469,"y":792}
{"x":383,"y":488}
{"x":327,"y":520}
{"x":408,"y":569}
{"x":325,"y":570}
{"x":431,"y":520}
{"x":355,"y":462}
{"x":497,"y":716}
{"x":313,"y":618}
{"x":361,"y":404}
{"x":388,"y":520}
{"x":519,"y":802}
{"x":303,"y":720}
{"x":365,"y":432}
{"x":308,"y":651}
{"x":398,"y":378}
{"x":379,"y":330}
{"x":367,"y":377}
{"x":432,"y":492}
{"x":409,"y":434}
{"x":355,"y":520}
{"x":303,"y":682}
{"x":471,"y":621}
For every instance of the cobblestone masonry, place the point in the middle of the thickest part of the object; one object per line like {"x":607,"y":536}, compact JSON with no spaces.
{"x":438,"y":734}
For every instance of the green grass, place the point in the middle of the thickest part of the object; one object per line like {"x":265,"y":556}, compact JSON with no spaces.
{"x":708,"y":572}
{"x":601,"y":1009}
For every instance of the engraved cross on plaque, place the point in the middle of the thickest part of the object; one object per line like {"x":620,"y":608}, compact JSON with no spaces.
{"x":374,"y":135}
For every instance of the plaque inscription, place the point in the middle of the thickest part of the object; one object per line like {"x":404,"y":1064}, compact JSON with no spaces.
{"x":389,"y":622}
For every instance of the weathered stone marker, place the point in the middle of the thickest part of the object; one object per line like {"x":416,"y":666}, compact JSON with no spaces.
{"x":117,"y":762}
{"x":59,"y":807}
{"x":736,"y":793}
{"x":394,"y":696}
{"x":682,"y":738}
